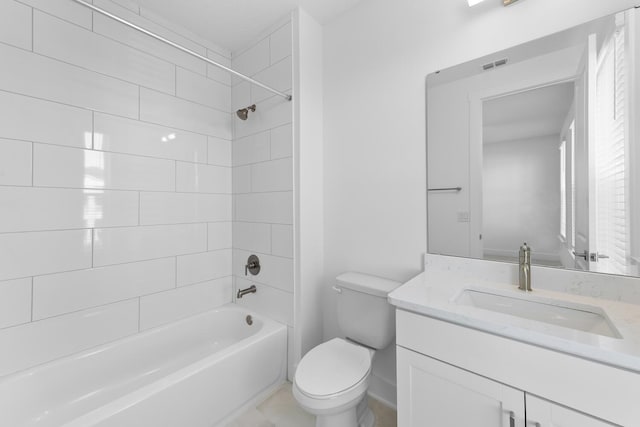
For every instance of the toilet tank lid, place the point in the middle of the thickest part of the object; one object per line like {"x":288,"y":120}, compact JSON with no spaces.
{"x":368,"y":284}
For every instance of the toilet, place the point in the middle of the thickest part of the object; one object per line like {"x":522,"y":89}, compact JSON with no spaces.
{"x":332,"y":379}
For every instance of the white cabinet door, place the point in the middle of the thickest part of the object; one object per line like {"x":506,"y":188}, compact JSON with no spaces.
{"x":542,"y":413}
{"x":434,"y":394}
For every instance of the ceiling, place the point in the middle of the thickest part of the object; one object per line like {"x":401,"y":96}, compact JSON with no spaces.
{"x":234,"y":24}
{"x":529,"y":114}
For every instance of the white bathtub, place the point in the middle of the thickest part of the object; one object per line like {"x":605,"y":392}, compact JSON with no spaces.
{"x":191,"y":373}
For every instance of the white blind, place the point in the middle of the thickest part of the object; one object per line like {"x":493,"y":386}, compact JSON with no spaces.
{"x":611,"y":206}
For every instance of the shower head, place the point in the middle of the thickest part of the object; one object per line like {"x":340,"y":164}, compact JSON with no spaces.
{"x":243,"y":114}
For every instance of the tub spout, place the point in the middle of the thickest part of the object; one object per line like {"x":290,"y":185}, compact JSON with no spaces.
{"x":250,"y":290}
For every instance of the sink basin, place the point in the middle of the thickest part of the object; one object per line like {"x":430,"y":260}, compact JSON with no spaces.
{"x":580,"y":317}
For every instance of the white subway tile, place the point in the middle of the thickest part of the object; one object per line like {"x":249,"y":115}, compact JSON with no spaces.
{"x":169,"y":306}
{"x":191,"y":40}
{"x":198,"y":178}
{"x":282,"y":240}
{"x":219,"y":152}
{"x":74,"y":168}
{"x":268,"y":301}
{"x":217,"y":73}
{"x":197,"y":88}
{"x":220,"y":236}
{"x":15,"y":163}
{"x":271,"y":113}
{"x":205,"y":266}
{"x":274,"y":175}
{"x":282,"y":142}
{"x":62,"y":293}
{"x":252,"y":236}
{"x":178,"y":208}
{"x":241,"y":179}
{"x":57,"y":123}
{"x":15,"y":24}
{"x":121,"y":135}
{"x":15,"y":302}
{"x":241,"y":96}
{"x":276,"y":272}
{"x":131,"y":5}
{"x":30,"y":254}
{"x":278,"y":76}
{"x":252,"y":60}
{"x":65,"y":9}
{"x":156,"y":107}
{"x":120,"y":245}
{"x":281,"y":43}
{"x":36,"y":209}
{"x":42,"y":77}
{"x":117,"y":31}
{"x":67,"y":42}
{"x":276,"y":208}
{"x":39,"y":342}
{"x":252,"y":149}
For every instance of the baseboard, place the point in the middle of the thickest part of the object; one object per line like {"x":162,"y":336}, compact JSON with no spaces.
{"x":383,"y":391}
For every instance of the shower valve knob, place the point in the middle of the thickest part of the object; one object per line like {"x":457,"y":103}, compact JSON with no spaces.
{"x":252,"y":266}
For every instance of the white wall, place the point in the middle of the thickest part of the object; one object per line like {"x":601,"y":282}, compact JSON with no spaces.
{"x":115,"y":179}
{"x":263,"y":177}
{"x":376,"y":58}
{"x":309,"y":182}
{"x":521,"y":197}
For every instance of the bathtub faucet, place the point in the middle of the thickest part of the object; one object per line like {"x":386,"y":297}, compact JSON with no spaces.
{"x":250,"y":290}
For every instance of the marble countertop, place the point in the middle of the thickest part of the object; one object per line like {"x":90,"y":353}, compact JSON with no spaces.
{"x":433,"y":293}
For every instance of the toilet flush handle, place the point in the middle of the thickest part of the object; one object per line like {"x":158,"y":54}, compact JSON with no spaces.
{"x":337,"y":289}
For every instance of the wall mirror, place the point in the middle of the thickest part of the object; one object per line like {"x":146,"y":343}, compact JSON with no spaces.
{"x":538,"y":144}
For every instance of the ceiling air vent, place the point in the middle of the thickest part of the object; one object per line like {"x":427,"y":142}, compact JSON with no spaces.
{"x":495,"y":64}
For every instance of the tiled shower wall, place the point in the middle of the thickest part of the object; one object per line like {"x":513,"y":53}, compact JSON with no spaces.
{"x":115,"y":180}
{"x":263,"y":177}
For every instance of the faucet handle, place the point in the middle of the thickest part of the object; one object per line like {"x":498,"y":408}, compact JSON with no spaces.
{"x":252,"y":266}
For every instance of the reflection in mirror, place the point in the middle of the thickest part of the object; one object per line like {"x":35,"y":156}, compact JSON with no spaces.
{"x":537,"y":144}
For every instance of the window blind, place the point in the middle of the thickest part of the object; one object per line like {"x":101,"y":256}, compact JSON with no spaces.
{"x":610,"y":148}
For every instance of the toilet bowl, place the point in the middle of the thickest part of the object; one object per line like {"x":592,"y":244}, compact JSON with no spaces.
{"x":331,"y":383}
{"x":332,"y":379}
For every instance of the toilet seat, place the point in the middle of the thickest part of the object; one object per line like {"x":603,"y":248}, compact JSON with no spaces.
{"x":332,"y":368}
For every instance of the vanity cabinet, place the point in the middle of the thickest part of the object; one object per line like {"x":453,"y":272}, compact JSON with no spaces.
{"x":542,"y":413}
{"x":451,"y":375}
{"x":433,"y":393}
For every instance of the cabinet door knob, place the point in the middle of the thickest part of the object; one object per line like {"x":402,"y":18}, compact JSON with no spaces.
{"x":512,"y":419}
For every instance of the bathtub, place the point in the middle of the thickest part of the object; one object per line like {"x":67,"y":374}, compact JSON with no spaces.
{"x":191,"y":373}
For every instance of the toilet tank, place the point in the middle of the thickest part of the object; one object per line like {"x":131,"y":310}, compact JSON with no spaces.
{"x":364,"y":315}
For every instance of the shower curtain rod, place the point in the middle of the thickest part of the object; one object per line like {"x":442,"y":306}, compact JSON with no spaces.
{"x":184,"y":49}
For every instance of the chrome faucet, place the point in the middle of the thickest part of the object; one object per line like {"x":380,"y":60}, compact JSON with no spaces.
{"x":524,"y":267}
{"x":250,"y":290}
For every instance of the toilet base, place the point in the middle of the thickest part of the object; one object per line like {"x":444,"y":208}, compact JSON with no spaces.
{"x":358,"y":416}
